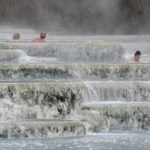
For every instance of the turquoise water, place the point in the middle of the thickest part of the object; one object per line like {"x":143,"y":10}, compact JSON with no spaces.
{"x":104,"y":141}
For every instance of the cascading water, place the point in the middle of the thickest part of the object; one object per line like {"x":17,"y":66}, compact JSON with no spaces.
{"x":74,"y":87}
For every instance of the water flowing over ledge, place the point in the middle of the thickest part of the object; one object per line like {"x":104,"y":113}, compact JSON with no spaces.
{"x":51,"y":72}
{"x":70,"y":52}
{"x":41,"y":129}
{"x":120,"y":117}
{"x":73,"y":87}
{"x":59,"y":100}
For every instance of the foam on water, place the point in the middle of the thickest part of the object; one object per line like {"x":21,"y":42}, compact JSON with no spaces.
{"x":108,"y":101}
{"x":11,"y":110}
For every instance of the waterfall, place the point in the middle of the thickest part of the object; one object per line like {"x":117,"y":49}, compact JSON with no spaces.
{"x":72,"y":86}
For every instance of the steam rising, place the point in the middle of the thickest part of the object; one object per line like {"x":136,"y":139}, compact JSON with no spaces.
{"x":78,"y":16}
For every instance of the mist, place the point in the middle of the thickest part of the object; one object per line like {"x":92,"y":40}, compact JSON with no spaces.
{"x":78,"y":16}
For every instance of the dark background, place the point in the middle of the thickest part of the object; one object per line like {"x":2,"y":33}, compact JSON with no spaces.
{"x":78,"y":16}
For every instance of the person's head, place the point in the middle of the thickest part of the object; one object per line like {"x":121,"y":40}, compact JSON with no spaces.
{"x":16,"y":36}
{"x":137,"y":56}
{"x":43,"y":35}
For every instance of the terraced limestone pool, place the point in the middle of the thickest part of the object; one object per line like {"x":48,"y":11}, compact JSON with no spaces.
{"x":74,"y":93}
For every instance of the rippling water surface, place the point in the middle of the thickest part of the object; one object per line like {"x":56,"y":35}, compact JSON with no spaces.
{"x":106,"y":141}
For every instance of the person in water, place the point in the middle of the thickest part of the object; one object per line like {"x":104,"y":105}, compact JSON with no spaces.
{"x":16,"y":36}
{"x":41,"y":39}
{"x":137,"y":56}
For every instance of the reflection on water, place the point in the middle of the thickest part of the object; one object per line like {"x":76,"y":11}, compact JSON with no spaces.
{"x":106,"y":141}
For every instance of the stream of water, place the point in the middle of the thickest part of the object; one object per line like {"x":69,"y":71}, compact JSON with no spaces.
{"x":74,"y":93}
